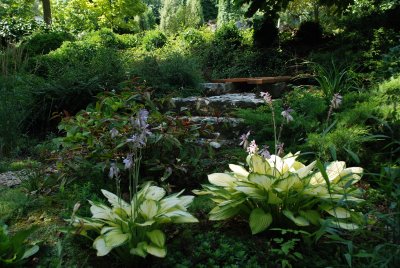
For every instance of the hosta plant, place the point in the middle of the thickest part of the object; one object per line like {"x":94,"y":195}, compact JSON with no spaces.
{"x":278,"y":191}
{"x":134,"y":228}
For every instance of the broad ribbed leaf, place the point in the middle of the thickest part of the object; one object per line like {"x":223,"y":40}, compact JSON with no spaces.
{"x":339,"y":212}
{"x":114,"y":237}
{"x":155,"y":193}
{"x":221,"y":179}
{"x":346,"y":225}
{"x":259,"y":220}
{"x":239,"y":170}
{"x":259,"y":165}
{"x":148,"y":209}
{"x":223,"y":213}
{"x":311,"y":215}
{"x":252,"y":192}
{"x":156,"y":251}
{"x":100,"y":245}
{"x":299,"y":221}
{"x":157,"y":237}
{"x":263,"y":181}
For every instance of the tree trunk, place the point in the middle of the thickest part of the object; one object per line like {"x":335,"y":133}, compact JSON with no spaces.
{"x":46,"y":12}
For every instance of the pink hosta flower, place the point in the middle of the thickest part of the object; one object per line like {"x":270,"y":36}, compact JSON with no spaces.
{"x":267,"y":97}
{"x":286,"y":114}
{"x":280,"y":148}
{"x":244,"y":140}
{"x":128,"y":161}
{"x":253,"y":148}
{"x":336,"y":100}
{"x":264,"y":152}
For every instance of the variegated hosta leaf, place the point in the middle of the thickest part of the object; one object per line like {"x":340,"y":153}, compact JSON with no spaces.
{"x":157,"y":237}
{"x":156,"y":251}
{"x":155,"y":193}
{"x":263,"y":181}
{"x":114,"y":237}
{"x":114,"y":200}
{"x":239,"y":171}
{"x":299,"y":220}
{"x":223,"y":213}
{"x":101,"y":211}
{"x":259,"y":165}
{"x":100,"y":245}
{"x":221,"y":179}
{"x":259,"y":220}
{"x":339,"y":212}
{"x":345,"y":225}
{"x":311,"y":215}
{"x":306,"y":170}
{"x":148,"y":209}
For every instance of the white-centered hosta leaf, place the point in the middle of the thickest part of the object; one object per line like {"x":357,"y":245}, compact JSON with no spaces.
{"x":101,"y":211}
{"x":114,"y":237}
{"x":305,"y":171}
{"x":263,"y":181}
{"x":148,"y":209}
{"x":239,"y":171}
{"x":252,"y":192}
{"x":223,"y":213}
{"x":221,"y":179}
{"x":114,"y":200}
{"x":100,"y":245}
{"x":259,"y":220}
{"x":259,"y":165}
{"x":299,"y":220}
{"x":155,"y":193}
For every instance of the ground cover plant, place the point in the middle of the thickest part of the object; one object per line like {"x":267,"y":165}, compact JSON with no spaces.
{"x":114,"y":153}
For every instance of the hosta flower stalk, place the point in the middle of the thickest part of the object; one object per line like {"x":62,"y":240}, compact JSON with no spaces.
{"x":281,"y":190}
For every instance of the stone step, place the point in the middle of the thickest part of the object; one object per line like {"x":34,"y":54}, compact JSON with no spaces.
{"x":275,"y":89}
{"x":215,"y":105}
{"x":217,"y":127}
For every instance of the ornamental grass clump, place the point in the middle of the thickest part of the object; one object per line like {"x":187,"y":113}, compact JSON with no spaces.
{"x":133,"y":227}
{"x":283,"y":191}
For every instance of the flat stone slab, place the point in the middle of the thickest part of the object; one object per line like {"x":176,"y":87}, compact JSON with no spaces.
{"x":214,"y":120}
{"x":216,"y":104}
{"x":13,"y":178}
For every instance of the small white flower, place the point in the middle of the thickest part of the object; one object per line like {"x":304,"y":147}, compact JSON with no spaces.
{"x":267,"y":97}
{"x":114,"y":133}
{"x":286,"y":114}
{"x":128,"y":161}
{"x":336,"y":100}
{"x":114,"y":171}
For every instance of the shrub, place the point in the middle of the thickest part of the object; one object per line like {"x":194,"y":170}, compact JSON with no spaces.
{"x":228,"y":36}
{"x":42,"y":42}
{"x":168,"y":72}
{"x":265,"y":33}
{"x":154,"y":39}
{"x":74,"y":74}
{"x":310,"y":33}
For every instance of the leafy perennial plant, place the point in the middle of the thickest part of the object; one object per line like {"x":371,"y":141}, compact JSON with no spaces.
{"x":279,"y":190}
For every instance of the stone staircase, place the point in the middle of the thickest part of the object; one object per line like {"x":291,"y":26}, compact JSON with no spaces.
{"x":214,"y":111}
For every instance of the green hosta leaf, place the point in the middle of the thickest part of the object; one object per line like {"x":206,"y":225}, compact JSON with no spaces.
{"x":252,"y":192}
{"x":31,"y":251}
{"x":155,"y":193}
{"x":273,"y":199}
{"x":148,"y":209}
{"x":223,"y":213}
{"x":239,"y":171}
{"x":261,"y":180}
{"x":311,"y":215}
{"x":259,"y":165}
{"x":140,"y":249}
{"x":100,"y":245}
{"x":156,"y":251}
{"x":339,"y":212}
{"x":299,"y":221}
{"x":157,"y":237}
{"x":259,"y":220}
{"x":114,"y":237}
{"x":345,"y":225}
{"x":221,"y":179}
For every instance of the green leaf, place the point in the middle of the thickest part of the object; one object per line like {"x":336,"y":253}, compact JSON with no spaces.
{"x":353,"y":155}
{"x":156,"y":251}
{"x":31,"y":251}
{"x":259,"y":220}
{"x":339,"y":212}
{"x":299,"y":221}
{"x":223,"y":213}
{"x":157,"y":237}
{"x":311,"y":215}
{"x":140,"y":250}
{"x":221,"y":179}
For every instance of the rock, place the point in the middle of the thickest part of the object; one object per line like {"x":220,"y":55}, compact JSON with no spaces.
{"x":216,"y":104}
{"x":13,"y":178}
